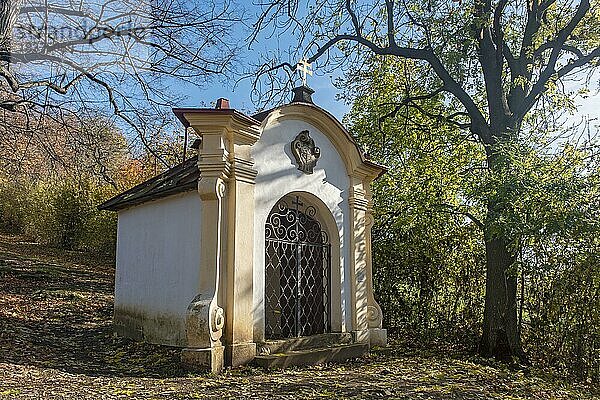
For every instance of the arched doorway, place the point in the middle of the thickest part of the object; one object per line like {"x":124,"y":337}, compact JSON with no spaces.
{"x":297,"y":270}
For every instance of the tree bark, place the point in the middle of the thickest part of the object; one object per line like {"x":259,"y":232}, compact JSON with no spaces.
{"x":500,"y":337}
{"x":9,"y":11}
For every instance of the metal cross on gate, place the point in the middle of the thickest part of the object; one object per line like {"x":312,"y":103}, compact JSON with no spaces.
{"x":297,"y":203}
{"x":305,"y":68}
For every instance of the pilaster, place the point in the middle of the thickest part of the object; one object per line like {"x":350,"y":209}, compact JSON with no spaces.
{"x":205,"y":314}
{"x":240,"y":347}
{"x":377,"y":335}
{"x":220,"y":320}
{"x":367,"y":315}
{"x":358,"y":207}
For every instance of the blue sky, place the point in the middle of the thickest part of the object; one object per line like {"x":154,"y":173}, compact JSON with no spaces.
{"x":239,"y":98}
{"x":325,"y":96}
{"x":325,"y":92}
{"x":266,"y":43}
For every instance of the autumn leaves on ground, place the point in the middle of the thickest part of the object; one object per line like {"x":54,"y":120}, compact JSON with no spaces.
{"x":57,"y":342}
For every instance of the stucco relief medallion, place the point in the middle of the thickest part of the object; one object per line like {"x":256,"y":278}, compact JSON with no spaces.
{"x":305,"y":152}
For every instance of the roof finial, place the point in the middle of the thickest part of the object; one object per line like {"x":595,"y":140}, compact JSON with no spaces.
{"x":305,"y":68}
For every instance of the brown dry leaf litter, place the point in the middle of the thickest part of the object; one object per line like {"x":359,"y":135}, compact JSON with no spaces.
{"x":56,"y":342}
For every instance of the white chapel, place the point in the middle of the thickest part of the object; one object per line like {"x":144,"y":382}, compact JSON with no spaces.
{"x":258,"y":248}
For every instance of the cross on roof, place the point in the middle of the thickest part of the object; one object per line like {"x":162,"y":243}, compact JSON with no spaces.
{"x":305,"y":68}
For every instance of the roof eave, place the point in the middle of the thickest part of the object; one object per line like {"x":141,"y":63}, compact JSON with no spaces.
{"x":181,"y":112}
{"x":118,"y":206}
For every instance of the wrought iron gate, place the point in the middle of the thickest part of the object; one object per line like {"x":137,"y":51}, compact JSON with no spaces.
{"x":297,"y":265}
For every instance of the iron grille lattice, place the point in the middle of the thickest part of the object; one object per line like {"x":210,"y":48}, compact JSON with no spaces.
{"x":297,"y":265}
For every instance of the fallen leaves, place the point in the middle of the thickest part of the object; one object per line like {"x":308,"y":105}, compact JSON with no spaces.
{"x":57,"y":342}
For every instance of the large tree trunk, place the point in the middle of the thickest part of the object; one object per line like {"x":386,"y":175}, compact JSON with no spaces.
{"x":500,"y":337}
{"x":9,"y":11}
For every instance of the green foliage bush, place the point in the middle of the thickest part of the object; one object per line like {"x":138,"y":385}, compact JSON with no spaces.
{"x":561,"y":325}
{"x":429,"y":275}
{"x":14,"y":204}
{"x":59,"y":213}
{"x":429,"y":209}
{"x":555,"y":215}
{"x":428,"y":261}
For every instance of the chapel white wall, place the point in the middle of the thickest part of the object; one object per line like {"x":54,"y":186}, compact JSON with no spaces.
{"x":277,"y":176}
{"x":157,"y":272}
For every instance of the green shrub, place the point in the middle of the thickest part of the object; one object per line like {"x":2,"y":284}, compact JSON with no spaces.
{"x":100,"y":227}
{"x":39,"y":216}
{"x":562,"y":307}
{"x":70,"y":212}
{"x":13,"y":207}
{"x":61,"y":214}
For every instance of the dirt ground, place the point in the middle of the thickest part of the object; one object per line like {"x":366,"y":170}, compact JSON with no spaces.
{"x":57,"y":342}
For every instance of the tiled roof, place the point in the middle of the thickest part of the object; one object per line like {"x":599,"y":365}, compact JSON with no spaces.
{"x":180,"y":178}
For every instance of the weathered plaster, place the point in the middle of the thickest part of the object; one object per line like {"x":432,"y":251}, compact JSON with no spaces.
{"x":190,"y":267}
{"x":157,"y":271}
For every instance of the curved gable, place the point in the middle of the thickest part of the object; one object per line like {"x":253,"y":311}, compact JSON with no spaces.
{"x":354,"y":159}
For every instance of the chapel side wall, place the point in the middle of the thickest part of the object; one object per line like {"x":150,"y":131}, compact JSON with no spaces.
{"x":277,"y":176}
{"x":157,"y":274}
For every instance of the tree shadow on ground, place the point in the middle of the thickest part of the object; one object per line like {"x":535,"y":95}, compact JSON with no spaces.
{"x":56,"y":341}
{"x":59,"y":315}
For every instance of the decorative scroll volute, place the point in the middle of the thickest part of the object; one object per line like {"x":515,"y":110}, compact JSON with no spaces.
{"x":305,"y":152}
{"x":204,"y":322}
{"x":217,"y":322}
{"x":281,"y":224}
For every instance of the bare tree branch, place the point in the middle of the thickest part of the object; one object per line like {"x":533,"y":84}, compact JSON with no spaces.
{"x":546,"y":74}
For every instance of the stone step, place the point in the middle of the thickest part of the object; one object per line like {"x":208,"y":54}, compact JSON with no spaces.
{"x":304,"y":343}
{"x":312,"y":356}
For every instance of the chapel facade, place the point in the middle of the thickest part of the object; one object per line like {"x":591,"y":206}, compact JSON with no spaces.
{"x":256,"y":249}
